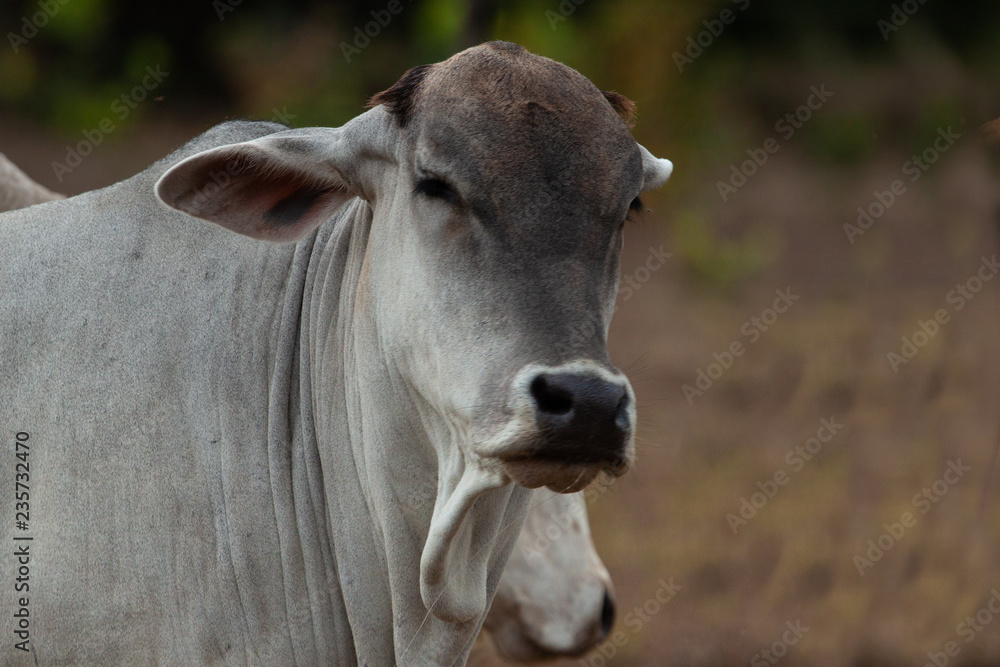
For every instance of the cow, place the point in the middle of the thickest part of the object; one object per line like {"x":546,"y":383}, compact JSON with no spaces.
{"x":318,"y":449}
{"x":555,"y":597}
{"x":18,"y":190}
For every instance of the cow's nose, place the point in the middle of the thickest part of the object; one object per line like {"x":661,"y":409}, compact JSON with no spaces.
{"x":585,"y":411}
{"x":607,"y":615}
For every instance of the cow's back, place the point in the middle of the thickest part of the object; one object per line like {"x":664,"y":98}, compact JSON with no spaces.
{"x":17,"y":190}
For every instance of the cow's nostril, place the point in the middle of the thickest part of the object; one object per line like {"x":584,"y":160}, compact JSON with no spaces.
{"x":622,"y":419}
{"x":581,"y":417}
{"x":551,"y":398}
{"x":607,"y":615}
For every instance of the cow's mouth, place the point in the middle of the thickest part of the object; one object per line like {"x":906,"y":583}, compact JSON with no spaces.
{"x":559,"y":474}
{"x":567,"y":462}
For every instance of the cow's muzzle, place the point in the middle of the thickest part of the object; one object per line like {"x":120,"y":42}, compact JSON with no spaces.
{"x":582,"y":417}
{"x":578,"y":420}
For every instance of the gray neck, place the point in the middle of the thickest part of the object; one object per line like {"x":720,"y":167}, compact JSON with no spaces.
{"x":379,"y":468}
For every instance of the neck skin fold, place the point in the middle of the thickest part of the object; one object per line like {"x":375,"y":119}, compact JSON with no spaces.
{"x":420,"y":531}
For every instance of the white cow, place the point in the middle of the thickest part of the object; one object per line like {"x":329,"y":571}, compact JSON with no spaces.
{"x":18,"y":190}
{"x":302,"y":452}
{"x":555,"y":597}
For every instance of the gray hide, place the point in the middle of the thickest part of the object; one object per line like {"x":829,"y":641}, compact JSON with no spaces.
{"x":555,"y":596}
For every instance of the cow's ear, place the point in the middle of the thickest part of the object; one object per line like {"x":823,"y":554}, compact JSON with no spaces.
{"x":655,"y":171}
{"x":282,"y":186}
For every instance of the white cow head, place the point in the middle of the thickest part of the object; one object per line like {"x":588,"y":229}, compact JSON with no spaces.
{"x":555,"y":598}
{"x":497,"y":184}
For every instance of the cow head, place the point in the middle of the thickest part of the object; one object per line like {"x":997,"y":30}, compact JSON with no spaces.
{"x":498,"y":184}
{"x":515,"y":178}
{"x":555,"y":597}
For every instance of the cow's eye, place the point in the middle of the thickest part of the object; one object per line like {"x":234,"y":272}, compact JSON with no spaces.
{"x":437,"y":189}
{"x":635,"y":208}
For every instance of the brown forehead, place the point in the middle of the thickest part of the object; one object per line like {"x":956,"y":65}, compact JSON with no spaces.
{"x":504,"y":76}
{"x":489,"y":71}
{"x":498,"y":110}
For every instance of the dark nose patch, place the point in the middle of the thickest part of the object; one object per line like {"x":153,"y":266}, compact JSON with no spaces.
{"x":583,"y":418}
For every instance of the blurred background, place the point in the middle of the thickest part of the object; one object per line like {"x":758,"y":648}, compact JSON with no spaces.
{"x":833,"y":218}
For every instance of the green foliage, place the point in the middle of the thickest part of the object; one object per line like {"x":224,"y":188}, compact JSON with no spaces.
{"x":77,"y":108}
{"x":80,"y":22}
{"x":438,"y":27}
{"x":146,"y":51}
{"x":275,"y":55}
{"x":527,"y":24}
{"x":935,"y":114}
